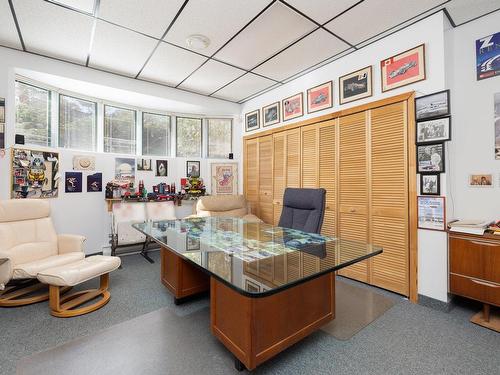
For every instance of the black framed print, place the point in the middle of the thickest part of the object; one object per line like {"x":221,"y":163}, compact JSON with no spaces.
{"x":271,"y":114}
{"x":356,"y":85}
{"x":432,"y":105}
{"x":193,"y":168}
{"x":252,"y":120}
{"x":430,"y":184}
{"x":432,"y":131}
{"x":431,"y":158}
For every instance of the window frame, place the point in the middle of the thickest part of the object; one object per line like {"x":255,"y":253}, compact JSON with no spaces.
{"x":208,"y":136}
{"x":169,"y":133}
{"x":109,"y":104}
{"x":200,"y":156}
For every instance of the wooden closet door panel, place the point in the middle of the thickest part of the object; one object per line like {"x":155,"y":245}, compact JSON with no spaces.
{"x":293,"y":158}
{"x":327,"y":163}
{"x":309,"y":163}
{"x":389,"y":197}
{"x":252,"y":173}
{"x":266,"y":179}
{"x":353,"y":227}
{"x":279,"y":174}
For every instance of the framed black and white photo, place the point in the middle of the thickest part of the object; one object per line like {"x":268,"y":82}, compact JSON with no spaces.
{"x":430,"y":158}
{"x":431,"y":213}
{"x":430,"y":184}
{"x":193,"y":169}
{"x":251,"y":287}
{"x":271,"y":114}
{"x":432,"y":105}
{"x":356,"y":85}
{"x":432,"y":131}
{"x":192,"y":244}
{"x":252,"y":120}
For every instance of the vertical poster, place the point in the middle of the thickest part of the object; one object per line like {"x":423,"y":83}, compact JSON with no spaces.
{"x":224,"y":178}
{"x":94,"y":182}
{"x":497,"y":126}
{"x":488,"y":56}
{"x":73,"y":182}
{"x":125,"y":170}
{"x":2,"y":123}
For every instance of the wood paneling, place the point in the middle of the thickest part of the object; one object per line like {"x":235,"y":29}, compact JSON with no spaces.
{"x":309,"y":163}
{"x":266,"y":179}
{"x":251,"y":178}
{"x":279,"y":174}
{"x":293,"y":158}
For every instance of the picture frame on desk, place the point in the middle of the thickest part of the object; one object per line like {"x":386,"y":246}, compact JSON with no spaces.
{"x":431,"y":213}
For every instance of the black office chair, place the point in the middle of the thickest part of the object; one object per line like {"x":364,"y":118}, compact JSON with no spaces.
{"x":303,"y":209}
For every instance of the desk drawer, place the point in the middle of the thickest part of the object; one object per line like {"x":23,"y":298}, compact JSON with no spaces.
{"x":476,"y":289}
{"x":475,"y":258}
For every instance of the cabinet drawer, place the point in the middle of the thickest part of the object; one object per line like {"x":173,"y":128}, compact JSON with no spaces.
{"x":476,"y":289}
{"x":475,"y":258}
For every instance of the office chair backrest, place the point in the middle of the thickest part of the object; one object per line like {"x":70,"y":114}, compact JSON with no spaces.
{"x":303,"y":209}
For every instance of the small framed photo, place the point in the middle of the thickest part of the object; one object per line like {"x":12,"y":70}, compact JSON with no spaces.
{"x":161,"y":168}
{"x":144,"y":164}
{"x":431,"y":131}
{"x":430,"y":158}
{"x":481,"y":180}
{"x":431,"y":213}
{"x":271,"y":114}
{"x":251,"y":286}
{"x":432,"y":105}
{"x":403,"y":69}
{"x":430,"y":184}
{"x":293,"y":107}
{"x":193,"y":169}
{"x":356,"y":85}
{"x":252,"y":120}
{"x":192,"y":244}
{"x":320,"y":97}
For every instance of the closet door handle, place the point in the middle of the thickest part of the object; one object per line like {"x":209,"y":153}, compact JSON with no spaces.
{"x":485,"y":283}
{"x":352,"y":210}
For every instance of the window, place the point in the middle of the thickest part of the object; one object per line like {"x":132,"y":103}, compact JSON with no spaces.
{"x":33,"y":114}
{"x":77,"y":123}
{"x":155,"y":134}
{"x":188,"y":137}
{"x":220,"y":134}
{"x":119,"y":130}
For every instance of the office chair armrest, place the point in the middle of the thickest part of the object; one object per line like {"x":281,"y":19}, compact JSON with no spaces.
{"x":5,"y":270}
{"x":70,"y":243}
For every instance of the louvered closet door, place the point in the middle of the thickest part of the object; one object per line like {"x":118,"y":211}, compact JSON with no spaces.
{"x":309,"y":135}
{"x":252,"y":174}
{"x":353,"y":197}
{"x":279,"y":174}
{"x":293,"y":158}
{"x":389,"y":197}
{"x":266,"y":179}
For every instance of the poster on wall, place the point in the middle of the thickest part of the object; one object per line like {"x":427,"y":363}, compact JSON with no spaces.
{"x":2,"y":123}
{"x":293,"y":107}
{"x":356,"y":85}
{"x":403,"y":69}
{"x":497,"y":126}
{"x":224,"y":178}
{"x":94,"y":182}
{"x":488,"y":56}
{"x":320,"y":97}
{"x":125,"y":170}
{"x":431,"y":213}
{"x":73,"y":182}
{"x":83,"y":163}
{"x":35,"y":174}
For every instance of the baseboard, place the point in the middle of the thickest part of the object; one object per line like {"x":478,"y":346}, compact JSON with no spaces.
{"x":435,"y":304}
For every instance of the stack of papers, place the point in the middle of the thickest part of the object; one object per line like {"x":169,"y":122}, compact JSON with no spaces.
{"x":469,"y":226}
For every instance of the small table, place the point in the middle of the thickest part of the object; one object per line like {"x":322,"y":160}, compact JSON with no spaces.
{"x":269,"y":286}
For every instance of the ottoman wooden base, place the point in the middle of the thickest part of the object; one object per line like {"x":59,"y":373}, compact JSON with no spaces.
{"x":25,"y":293}
{"x":67,"y":306}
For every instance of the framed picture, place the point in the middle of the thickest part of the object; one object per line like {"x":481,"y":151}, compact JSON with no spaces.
{"x":35,"y":174}
{"x":497,"y":125}
{"x":432,"y":131}
{"x":125,"y":170}
{"x":430,"y":158}
{"x":320,"y":97}
{"x":192,"y":244}
{"x":252,"y":120}
{"x":430,"y":184}
{"x":293,"y":107}
{"x":193,"y":169}
{"x":94,"y":182}
{"x":224,"y":178}
{"x":481,"y":180}
{"x":403,"y":69}
{"x":432,"y":105}
{"x":356,"y":85}
{"x":271,"y":114}
{"x":431,"y":213}
{"x":2,"y":123}
{"x":161,"y":168}
{"x":83,"y":163}
{"x":144,"y":165}
{"x":251,"y":287}
{"x":73,"y":182}
{"x":488,"y":56}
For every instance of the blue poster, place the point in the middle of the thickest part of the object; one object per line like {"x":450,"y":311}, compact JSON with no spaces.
{"x":73,"y":182}
{"x":488,"y":56}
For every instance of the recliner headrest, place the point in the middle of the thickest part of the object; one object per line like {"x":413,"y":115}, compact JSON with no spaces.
{"x":23,"y":209}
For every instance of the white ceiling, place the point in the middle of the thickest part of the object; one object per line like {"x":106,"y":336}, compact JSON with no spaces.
{"x":254,"y":45}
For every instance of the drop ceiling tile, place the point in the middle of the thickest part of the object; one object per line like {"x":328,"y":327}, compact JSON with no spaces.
{"x":83,"y":5}
{"x":464,"y":10}
{"x":170,"y":65}
{"x":302,"y":55}
{"x":276,"y":28}
{"x":210,"y":77}
{"x":322,"y":10}
{"x":51,"y":30}
{"x":243,"y":87}
{"x":151,"y":17}
{"x":377,"y":16}
{"x":200,"y":17}
{"x":119,"y":50}
{"x":8,"y":32}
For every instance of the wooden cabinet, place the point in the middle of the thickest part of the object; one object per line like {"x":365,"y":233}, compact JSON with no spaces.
{"x":266,"y":179}
{"x":309,"y":158}
{"x":279,"y":174}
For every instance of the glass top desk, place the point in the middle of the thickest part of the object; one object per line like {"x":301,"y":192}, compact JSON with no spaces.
{"x":269,"y":286}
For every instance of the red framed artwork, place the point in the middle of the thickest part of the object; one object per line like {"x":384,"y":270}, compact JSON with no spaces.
{"x":320,"y":97}
{"x":293,"y":107}
{"x":403,"y":69}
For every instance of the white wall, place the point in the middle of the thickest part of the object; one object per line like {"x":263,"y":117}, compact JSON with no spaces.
{"x":432,"y":267}
{"x":86,"y":213}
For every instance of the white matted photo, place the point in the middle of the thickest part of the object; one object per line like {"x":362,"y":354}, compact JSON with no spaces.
{"x":481,"y":180}
{"x":431,"y":131}
{"x":431,"y":213}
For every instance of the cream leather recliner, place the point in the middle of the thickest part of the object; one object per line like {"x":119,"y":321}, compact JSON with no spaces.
{"x":224,"y":205}
{"x":29,"y":244}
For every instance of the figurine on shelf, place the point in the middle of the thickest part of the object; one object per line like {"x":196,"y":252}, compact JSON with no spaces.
{"x":194,"y":187}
